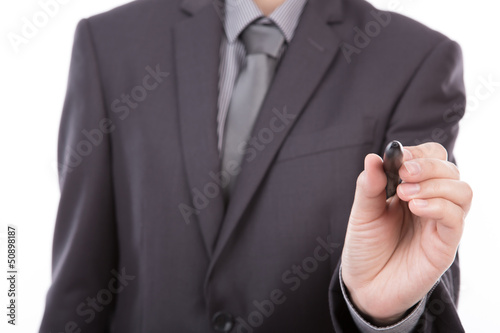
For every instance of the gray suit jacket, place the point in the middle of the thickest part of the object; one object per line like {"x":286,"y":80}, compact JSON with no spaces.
{"x":143,"y":241}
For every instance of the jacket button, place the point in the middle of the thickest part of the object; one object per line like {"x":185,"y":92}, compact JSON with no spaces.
{"x":223,"y":321}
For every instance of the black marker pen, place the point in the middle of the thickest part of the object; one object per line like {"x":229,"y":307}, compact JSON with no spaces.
{"x":393,"y":159}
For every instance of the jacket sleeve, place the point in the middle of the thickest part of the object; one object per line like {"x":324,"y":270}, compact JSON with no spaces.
{"x":429,"y":110}
{"x":84,"y":247}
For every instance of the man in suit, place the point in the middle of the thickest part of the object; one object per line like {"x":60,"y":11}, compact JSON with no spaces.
{"x":217,"y":171}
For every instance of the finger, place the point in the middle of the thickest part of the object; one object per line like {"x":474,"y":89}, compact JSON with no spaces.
{"x":369,"y":200}
{"x":456,"y":191}
{"x":427,"y":150}
{"x":418,"y":170}
{"x":448,"y":216}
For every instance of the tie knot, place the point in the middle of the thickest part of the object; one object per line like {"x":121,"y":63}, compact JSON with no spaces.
{"x":259,"y":38}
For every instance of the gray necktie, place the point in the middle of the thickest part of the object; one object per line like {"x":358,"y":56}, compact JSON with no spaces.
{"x":263,"y":44}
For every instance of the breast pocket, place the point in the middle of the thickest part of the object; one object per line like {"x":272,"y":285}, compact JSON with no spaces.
{"x":338,"y":136}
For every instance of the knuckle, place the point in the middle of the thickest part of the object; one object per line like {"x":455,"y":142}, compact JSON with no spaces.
{"x":469,"y":193}
{"x":435,"y":187}
{"x":442,"y":207}
{"x":428,"y":146}
{"x":425,"y":149}
{"x":439,"y":208}
{"x":455,"y":170}
{"x":461,"y":220}
{"x":457,"y":214}
{"x":440,"y":150}
{"x":432,"y":165}
{"x":417,"y":151}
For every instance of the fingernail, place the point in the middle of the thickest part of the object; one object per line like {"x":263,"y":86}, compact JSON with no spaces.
{"x":410,"y":189}
{"x":420,"y":202}
{"x":413,"y":168}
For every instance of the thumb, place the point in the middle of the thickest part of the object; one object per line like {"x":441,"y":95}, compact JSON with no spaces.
{"x":370,"y":198}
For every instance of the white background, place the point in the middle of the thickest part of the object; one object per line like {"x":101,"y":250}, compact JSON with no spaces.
{"x":33,"y":83}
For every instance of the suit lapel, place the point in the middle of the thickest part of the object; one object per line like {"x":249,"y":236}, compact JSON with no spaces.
{"x":197,"y":43}
{"x":302,"y":67}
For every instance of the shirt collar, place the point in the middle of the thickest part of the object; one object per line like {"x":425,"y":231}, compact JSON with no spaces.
{"x":240,"y":13}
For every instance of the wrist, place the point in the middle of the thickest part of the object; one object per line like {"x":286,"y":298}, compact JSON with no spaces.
{"x":376,"y":315}
{"x":372,"y":310}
